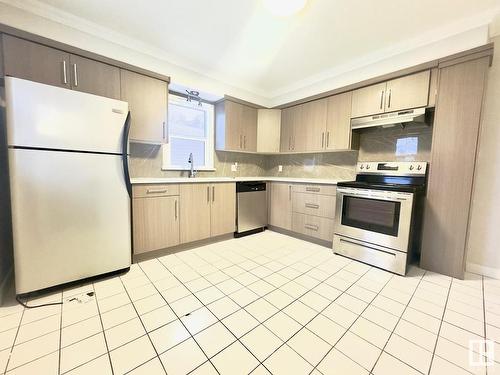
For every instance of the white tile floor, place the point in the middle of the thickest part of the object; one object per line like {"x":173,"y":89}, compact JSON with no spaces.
{"x":262,"y":304}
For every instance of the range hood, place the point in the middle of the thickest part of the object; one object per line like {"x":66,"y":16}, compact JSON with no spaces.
{"x":392,"y":118}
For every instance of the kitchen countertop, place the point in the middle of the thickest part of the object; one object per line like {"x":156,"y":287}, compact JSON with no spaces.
{"x":180,"y":180}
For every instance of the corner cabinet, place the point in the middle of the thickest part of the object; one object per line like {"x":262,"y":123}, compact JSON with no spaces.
{"x":148,"y":102}
{"x":280,"y":205}
{"x":235,"y":126}
{"x":411,"y":91}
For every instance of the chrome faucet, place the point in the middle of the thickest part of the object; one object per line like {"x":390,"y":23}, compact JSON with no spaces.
{"x":192,"y":172}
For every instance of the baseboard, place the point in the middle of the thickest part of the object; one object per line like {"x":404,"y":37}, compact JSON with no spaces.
{"x":5,"y":285}
{"x":483,"y":270}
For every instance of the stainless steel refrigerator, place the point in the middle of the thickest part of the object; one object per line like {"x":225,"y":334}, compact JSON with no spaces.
{"x":70,"y":189}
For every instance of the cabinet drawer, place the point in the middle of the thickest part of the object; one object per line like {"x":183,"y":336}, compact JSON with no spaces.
{"x":155,"y":190}
{"x":315,"y":189}
{"x":314,"y":226}
{"x":314,"y":204}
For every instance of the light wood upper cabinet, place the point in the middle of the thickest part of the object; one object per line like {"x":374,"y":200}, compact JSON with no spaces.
{"x":94,"y":77}
{"x":368,"y":100}
{"x":235,"y":126}
{"x":280,"y":209}
{"x":155,"y":223}
{"x":338,"y":122}
{"x":312,"y":125}
{"x":223,"y":209}
{"x":148,"y":103}
{"x":268,"y":130}
{"x":35,"y":62}
{"x":195,"y":212}
{"x":408,"y":92}
{"x":288,"y":120}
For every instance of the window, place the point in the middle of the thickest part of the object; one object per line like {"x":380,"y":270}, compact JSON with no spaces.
{"x":190,"y":130}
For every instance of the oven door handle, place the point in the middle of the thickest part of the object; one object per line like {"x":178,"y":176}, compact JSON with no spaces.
{"x":372,"y":196}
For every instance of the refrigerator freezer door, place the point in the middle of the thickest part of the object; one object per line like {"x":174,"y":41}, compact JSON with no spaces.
{"x":70,"y":216}
{"x":43,"y":116}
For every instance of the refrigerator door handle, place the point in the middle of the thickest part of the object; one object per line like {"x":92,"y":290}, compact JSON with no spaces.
{"x":126,"y":130}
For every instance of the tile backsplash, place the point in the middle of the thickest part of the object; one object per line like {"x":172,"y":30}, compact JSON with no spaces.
{"x":396,"y":143}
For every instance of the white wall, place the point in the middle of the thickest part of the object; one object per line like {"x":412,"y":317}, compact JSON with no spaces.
{"x":484,"y":233}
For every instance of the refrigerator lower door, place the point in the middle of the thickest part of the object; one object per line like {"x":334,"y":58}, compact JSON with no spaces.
{"x":70,"y":216}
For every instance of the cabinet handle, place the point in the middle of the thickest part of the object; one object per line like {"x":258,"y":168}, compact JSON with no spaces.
{"x":312,"y":227}
{"x":312,"y":205}
{"x":245,"y":142}
{"x":241,"y":141}
{"x":65,"y":74}
{"x":289,"y":192}
{"x":381,"y":99}
{"x":213,"y":193}
{"x":156,"y":191}
{"x":293,"y":139}
{"x":314,"y":189}
{"x":163,"y":131}
{"x":389,"y":101}
{"x":289,"y":143}
{"x":75,"y":72}
{"x":327,"y":139}
{"x":322,"y":139}
{"x":175,"y":210}
{"x":208,"y":194}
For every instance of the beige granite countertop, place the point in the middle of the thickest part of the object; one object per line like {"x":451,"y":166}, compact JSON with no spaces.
{"x":180,"y":180}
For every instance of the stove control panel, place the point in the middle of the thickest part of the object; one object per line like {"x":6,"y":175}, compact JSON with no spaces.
{"x":401,"y":168}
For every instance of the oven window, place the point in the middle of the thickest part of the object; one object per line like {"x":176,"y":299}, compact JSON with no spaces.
{"x":371,"y":214}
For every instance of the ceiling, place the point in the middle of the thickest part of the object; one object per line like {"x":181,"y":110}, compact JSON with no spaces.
{"x":242,"y":44}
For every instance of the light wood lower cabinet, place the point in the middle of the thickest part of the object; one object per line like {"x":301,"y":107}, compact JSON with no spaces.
{"x":223,"y":209}
{"x":195,"y":212}
{"x":313,"y":226}
{"x":155,"y":223}
{"x":280,"y":209}
{"x":207,"y":210}
{"x":314,"y":204}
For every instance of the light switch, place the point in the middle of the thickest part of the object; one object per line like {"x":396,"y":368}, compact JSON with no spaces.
{"x":234,"y":167}
{"x":280,"y":168}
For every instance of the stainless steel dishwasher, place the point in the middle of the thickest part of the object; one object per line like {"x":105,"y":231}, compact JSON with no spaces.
{"x":251,"y":205}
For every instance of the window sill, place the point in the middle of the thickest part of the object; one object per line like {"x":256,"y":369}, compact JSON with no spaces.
{"x":204,"y":169}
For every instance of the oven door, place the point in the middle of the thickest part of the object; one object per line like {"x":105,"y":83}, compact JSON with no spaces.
{"x":375,"y":216}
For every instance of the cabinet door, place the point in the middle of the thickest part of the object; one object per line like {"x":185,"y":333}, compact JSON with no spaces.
{"x":338,"y":123}
{"x":408,"y":92}
{"x":312,"y":126}
{"x":232,"y":125}
{"x":223,"y":212}
{"x":287,"y":124}
{"x":194,"y":212}
{"x":280,"y":212}
{"x":35,"y":62}
{"x":451,"y":175}
{"x":94,"y":77}
{"x":368,"y":100}
{"x":249,"y":128}
{"x":155,"y":223}
{"x":147,"y":100}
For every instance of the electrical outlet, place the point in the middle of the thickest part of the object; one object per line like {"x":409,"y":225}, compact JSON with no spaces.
{"x":280,"y":168}
{"x":234,"y":167}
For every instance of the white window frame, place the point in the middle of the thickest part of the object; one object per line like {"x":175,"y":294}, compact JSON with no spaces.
{"x":209,"y":142}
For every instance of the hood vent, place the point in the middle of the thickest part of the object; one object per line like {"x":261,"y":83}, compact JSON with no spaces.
{"x":388,"y":119}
